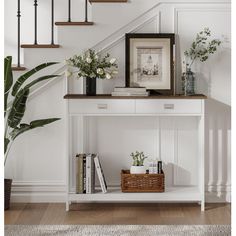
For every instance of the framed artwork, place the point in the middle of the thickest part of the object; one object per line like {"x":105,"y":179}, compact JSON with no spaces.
{"x":149,"y":62}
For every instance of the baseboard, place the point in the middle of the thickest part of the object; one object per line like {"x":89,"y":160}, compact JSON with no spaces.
{"x":218,"y":193}
{"x":36,"y":192}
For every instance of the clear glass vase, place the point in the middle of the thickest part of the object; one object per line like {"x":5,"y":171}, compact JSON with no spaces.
{"x":188,"y":82}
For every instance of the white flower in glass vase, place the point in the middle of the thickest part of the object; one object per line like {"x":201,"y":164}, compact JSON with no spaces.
{"x":113,"y":60}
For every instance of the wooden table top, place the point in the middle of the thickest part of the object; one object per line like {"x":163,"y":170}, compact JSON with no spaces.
{"x":108,"y":96}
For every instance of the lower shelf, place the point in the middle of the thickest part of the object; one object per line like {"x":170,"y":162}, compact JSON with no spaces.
{"x":173,"y":194}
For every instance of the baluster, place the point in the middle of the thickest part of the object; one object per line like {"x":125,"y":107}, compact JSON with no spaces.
{"x":52,"y":26}
{"x":86,"y":11}
{"x":69,"y":10}
{"x":35,"y":21}
{"x":18,"y":33}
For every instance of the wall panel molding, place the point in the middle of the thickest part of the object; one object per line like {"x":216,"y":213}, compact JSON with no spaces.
{"x":36,"y":191}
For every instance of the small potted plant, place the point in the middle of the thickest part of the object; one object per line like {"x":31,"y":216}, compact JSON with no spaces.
{"x":138,"y":163}
{"x":91,"y":66}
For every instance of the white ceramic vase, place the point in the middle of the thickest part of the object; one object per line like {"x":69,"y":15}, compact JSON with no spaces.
{"x":137,"y":170}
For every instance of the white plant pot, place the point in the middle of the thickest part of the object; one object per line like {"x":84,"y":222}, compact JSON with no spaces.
{"x":137,"y":170}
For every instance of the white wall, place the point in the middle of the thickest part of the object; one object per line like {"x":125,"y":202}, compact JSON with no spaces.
{"x":37,"y":161}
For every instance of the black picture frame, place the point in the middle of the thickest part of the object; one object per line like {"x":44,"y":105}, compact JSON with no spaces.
{"x":171,"y":38}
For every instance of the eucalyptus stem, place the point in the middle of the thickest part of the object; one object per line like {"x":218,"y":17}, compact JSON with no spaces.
{"x":192,"y":61}
{"x":201,"y":48}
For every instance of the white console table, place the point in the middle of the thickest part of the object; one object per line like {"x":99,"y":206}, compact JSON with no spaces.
{"x":81,"y":106}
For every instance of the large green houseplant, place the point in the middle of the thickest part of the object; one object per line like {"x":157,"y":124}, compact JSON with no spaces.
{"x":15,"y":109}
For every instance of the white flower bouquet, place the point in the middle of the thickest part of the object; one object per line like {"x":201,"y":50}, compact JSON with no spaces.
{"x":93,"y":65}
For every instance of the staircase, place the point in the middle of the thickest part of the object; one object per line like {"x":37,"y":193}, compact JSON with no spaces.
{"x":106,"y":32}
{"x":50,"y":46}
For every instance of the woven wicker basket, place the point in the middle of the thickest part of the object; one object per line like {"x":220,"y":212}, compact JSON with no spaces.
{"x":142,"y":182}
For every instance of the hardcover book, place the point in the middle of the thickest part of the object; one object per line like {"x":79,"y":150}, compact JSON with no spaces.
{"x":79,"y":173}
{"x":84,"y":173}
{"x":129,"y":89}
{"x":100,"y":174}
{"x":90,"y":175}
{"x":130,"y":93}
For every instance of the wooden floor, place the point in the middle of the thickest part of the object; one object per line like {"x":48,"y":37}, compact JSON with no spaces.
{"x":54,"y":213}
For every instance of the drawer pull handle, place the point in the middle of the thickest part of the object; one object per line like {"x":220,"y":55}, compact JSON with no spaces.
{"x":102,"y":106}
{"x":169,"y":106}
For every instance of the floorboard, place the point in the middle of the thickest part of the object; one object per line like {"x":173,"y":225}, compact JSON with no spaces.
{"x":54,"y":213}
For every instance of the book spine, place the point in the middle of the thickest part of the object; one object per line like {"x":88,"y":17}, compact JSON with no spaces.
{"x":130,"y":89}
{"x":92,"y":174}
{"x":80,"y":175}
{"x":100,"y":175}
{"x":155,"y":167}
{"x":130,"y":94}
{"x":84,"y":174}
{"x":88,"y":173}
{"x":76,"y":173}
{"x":104,"y":180}
{"x":150,"y":168}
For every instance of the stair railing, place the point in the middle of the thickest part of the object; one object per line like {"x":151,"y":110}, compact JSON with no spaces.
{"x":36,"y":44}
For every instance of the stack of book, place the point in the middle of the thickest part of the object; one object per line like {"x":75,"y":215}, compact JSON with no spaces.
{"x":155,"y":167}
{"x":85,"y":173}
{"x":130,"y":91}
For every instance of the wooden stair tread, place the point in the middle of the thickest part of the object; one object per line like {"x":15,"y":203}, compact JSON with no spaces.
{"x":40,"y":46}
{"x":116,"y":1}
{"x":18,"y":68}
{"x":74,"y":23}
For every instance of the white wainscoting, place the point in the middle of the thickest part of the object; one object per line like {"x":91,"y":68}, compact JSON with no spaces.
{"x":38,"y":191}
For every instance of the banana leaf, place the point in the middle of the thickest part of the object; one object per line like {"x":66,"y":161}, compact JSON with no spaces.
{"x":39,"y":80}
{"x":33,"y":124}
{"x":8,"y":80}
{"x":19,"y":100}
{"x":18,"y":109}
{"x":25,"y":76}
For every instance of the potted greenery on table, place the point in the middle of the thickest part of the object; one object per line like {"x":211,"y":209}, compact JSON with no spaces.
{"x":138,"y":163}
{"x":14,"y":110}
{"x":200,"y":49}
{"x":92,"y":66}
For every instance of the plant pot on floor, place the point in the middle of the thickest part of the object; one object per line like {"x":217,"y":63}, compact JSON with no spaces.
{"x":7,"y":193}
{"x":137,"y":170}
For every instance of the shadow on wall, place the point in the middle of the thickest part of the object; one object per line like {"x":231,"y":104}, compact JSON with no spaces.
{"x":217,"y":140}
{"x":172,"y":174}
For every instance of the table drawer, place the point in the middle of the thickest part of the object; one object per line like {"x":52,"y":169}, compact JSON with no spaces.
{"x":102,"y":106}
{"x":169,"y":106}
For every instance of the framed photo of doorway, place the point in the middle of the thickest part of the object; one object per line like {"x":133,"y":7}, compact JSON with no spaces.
{"x":149,"y":62}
